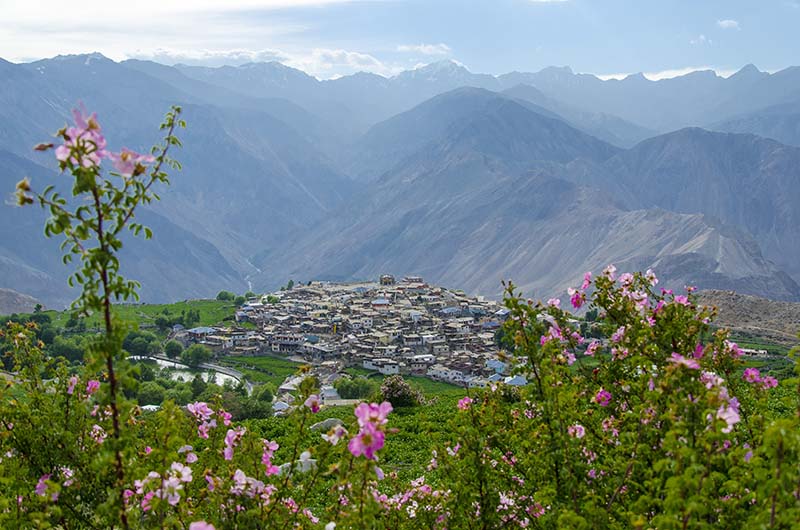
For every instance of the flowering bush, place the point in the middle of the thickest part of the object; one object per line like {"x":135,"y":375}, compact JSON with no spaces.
{"x":653,"y":426}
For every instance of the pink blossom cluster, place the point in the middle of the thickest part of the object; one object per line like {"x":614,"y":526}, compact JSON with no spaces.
{"x":85,"y":146}
{"x":603,"y":397}
{"x":370,"y":438}
{"x":232,"y":439}
{"x":266,"y":457}
{"x":577,"y":297}
{"x":205,"y":417}
{"x":166,"y":488}
{"x":753,"y":375}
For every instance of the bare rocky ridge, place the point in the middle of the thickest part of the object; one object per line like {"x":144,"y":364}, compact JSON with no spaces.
{"x":13,"y":302}
{"x":774,"y":320}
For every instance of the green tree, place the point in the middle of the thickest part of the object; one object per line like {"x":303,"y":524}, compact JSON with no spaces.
{"x":196,"y":354}
{"x":139,"y":346}
{"x":263,"y":393}
{"x":250,"y":294}
{"x":173,"y":349}
{"x":146,"y":372}
{"x":225,"y":296}
{"x":355,"y":388}
{"x":150,"y":393}
{"x":198,"y":386}
{"x":69,"y":348}
{"x":240,"y":300}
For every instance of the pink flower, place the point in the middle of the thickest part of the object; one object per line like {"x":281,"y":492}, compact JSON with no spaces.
{"x":92,"y":386}
{"x":181,"y":472}
{"x":576,"y":297}
{"x":603,"y":398}
{"x":610,"y":272}
{"x":710,"y":379}
{"x":752,"y":375}
{"x":367,"y":442}
{"x":266,"y":457}
{"x":68,"y":475}
{"x":335,"y":434}
{"x":618,"y":335}
{"x":201,"y":525}
{"x":554,"y":302}
{"x":678,"y":359}
{"x":373,"y":413}
{"x":313,"y":403}
{"x":200,"y":410}
{"x":768,"y":382}
{"x":587,"y":280}
{"x":699,"y":351}
{"x":71,"y":385}
{"x":130,"y":163}
{"x":593,"y":347}
{"x":464,"y":403}
{"x":98,"y":434}
{"x":148,"y":449}
{"x":651,"y":277}
{"x":145,"y":504}
{"x":232,"y":438}
{"x":729,"y":414}
{"x":553,"y":333}
{"x":682,"y":299}
{"x":626,"y":279}
{"x":85,"y":137}
{"x":41,"y":486}
{"x":226,"y":417}
{"x":576,"y":431}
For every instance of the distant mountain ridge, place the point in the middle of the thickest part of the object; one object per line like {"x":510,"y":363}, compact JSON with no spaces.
{"x":470,"y":200}
{"x":14,"y":302}
{"x":466,"y":178}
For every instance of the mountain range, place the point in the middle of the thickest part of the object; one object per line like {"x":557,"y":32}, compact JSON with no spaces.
{"x":464,"y":178}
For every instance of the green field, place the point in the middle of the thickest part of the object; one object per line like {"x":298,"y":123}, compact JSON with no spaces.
{"x":429,"y":387}
{"x":265,"y":369}
{"x":211,"y":312}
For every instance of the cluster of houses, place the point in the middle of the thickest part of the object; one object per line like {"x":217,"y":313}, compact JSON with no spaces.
{"x":389,"y":326}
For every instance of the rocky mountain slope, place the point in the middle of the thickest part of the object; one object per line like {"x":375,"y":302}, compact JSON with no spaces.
{"x":13,"y":302}
{"x":775,"y":320}
{"x":471,"y":201}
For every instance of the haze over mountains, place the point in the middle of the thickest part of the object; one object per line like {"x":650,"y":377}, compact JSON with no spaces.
{"x":463,"y":178}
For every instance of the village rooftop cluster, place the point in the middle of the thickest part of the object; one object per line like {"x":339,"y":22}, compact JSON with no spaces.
{"x":389,"y":326}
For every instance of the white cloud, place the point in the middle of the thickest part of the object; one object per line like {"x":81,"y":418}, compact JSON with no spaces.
{"x":425,"y":49}
{"x":43,"y":28}
{"x":328,"y":63}
{"x":700,"y":40}
{"x":210,"y":57}
{"x":728,"y":24}
{"x":323,"y":63}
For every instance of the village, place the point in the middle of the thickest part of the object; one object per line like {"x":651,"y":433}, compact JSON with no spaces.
{"x":388,"y":326}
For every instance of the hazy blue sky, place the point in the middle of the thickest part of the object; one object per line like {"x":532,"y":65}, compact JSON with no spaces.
{"x":335,"y":37}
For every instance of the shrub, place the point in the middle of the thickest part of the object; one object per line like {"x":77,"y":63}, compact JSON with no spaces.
{"x":399,"y":393}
